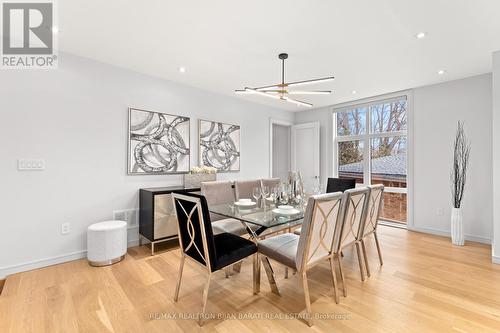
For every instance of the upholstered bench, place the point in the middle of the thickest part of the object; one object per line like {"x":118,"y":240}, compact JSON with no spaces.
{"x":106,"y":242}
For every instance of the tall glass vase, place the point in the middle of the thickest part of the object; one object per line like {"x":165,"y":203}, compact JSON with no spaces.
{"x":457,"y":227}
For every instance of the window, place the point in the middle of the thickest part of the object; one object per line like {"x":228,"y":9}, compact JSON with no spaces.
{"x":371,"y":146}
{"x":351,"y":159}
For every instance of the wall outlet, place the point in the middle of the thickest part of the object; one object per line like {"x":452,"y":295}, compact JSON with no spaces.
{"x":30,"y":164}
{"x":440,"y":212}
{"x":131,"y":216}
{"x":65,"y":228}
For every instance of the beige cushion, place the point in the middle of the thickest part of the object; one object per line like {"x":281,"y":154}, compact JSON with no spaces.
{"x":217,"y":193}
{"x":318,"y":229}
{"x":282,"y":248}
{"x":355,"y":207}
{"x":243,"y":189}
{"x":271,"y":183}
{"x":229,"y":225}
{"x":373,"y":212}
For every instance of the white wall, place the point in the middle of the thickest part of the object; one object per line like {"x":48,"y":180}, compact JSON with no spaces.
{"x":436,"y":110}
{"x":496,"y":156}
{"x":75,"y":118}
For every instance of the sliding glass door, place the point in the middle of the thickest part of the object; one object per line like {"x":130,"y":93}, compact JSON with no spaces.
{"x":370,"y":145}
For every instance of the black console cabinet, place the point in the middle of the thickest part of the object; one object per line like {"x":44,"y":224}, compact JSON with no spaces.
{"x":157,"y":220}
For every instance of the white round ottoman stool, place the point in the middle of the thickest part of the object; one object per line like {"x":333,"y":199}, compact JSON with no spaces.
{"x":106,"y":242}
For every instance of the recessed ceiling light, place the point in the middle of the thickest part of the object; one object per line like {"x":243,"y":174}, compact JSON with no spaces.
{"x":182,"y":69}
{"x":354,"y":92}
{"x":421,"y":35}
{"x":441,"y":72}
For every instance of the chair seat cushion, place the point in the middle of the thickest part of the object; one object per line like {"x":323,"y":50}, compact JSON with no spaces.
{"x":230,"y":248}
{"x":282,"y":248}
{"x":232,"y":226}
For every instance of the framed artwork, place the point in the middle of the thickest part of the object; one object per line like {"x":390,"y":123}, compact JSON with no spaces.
{"x":219,"y":145}
{"x":158,"y":143}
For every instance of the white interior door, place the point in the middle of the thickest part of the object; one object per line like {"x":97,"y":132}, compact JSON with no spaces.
{"x":281,"y":152}
{"x":305,"y":153}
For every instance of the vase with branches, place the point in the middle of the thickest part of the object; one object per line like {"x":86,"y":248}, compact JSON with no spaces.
{"x":458,"y":178}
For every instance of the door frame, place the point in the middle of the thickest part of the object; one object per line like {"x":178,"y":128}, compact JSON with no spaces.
{"x":274,"y":121}
{"x":317,"y":127}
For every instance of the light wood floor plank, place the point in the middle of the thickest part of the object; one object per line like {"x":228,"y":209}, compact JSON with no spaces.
{"x":425,"y":285}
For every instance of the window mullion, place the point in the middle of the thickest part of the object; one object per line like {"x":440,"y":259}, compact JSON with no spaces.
{"x":367,"y":152}
{"x":350,"y":138}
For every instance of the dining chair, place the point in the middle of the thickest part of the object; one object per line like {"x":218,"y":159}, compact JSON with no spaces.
{"x":355,"y":207}
{"x":271,"y":182}
{"x":336,"y":185}
{"x":198,"y":243}
{"x":340,"y":184}
{"x":218,"y":193}
{"x":313,"y":246}
{"x":243,"y":189}
{"x":371,"y":222}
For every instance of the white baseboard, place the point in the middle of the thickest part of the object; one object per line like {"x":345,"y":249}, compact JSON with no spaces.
{"x":495,"y":259}
{"x":30,"y":265}
{"x":446,"y":233}
{"x":45,"y":262}
{"x":133,"y":242}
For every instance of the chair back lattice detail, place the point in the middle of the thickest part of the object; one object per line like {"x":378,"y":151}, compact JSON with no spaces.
{"x":191,"y":232}
{"x":319,"y":229}
{"x":195,"y":234}
{"x":354,"y":214}
{"x":374,"y":205}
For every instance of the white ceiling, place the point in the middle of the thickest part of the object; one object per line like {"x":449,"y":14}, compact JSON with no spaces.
{"x":369,"y":46}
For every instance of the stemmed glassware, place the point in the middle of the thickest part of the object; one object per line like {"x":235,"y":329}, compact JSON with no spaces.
{"x":265,"y":194}
{"x":275,"y":194}
{"x":257,"y":193}
{"x":284,"y":194}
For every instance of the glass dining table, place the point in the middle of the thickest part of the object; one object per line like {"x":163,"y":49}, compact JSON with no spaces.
{"x":259,"y":219}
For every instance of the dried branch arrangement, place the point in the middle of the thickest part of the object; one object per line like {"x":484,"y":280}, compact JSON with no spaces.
{"x":461,"y":156}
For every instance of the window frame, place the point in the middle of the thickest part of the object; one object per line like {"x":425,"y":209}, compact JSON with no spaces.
{"x":366,"y":138}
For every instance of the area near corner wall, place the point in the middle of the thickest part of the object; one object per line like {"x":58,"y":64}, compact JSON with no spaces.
{"x":75,"y":118}
{"x":436,"y":110}
{"x":496,"y":157}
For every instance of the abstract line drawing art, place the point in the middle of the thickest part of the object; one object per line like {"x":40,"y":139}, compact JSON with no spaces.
{"x":219,"y":145}
{"x":158,"y":143}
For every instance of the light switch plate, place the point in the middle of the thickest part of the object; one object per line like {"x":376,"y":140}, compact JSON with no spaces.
{"x":30,"y":164}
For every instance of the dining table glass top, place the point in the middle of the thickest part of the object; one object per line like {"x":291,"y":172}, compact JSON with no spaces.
{"x":268,"y":216}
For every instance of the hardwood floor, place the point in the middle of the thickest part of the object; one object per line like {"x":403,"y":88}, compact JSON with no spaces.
{"x":425,"y":285}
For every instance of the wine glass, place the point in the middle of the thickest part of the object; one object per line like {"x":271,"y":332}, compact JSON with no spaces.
{"x":256,"y":193}
{"x":284,"y":196}
{"x":265,"y":194}
{"x":275,"y":194}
